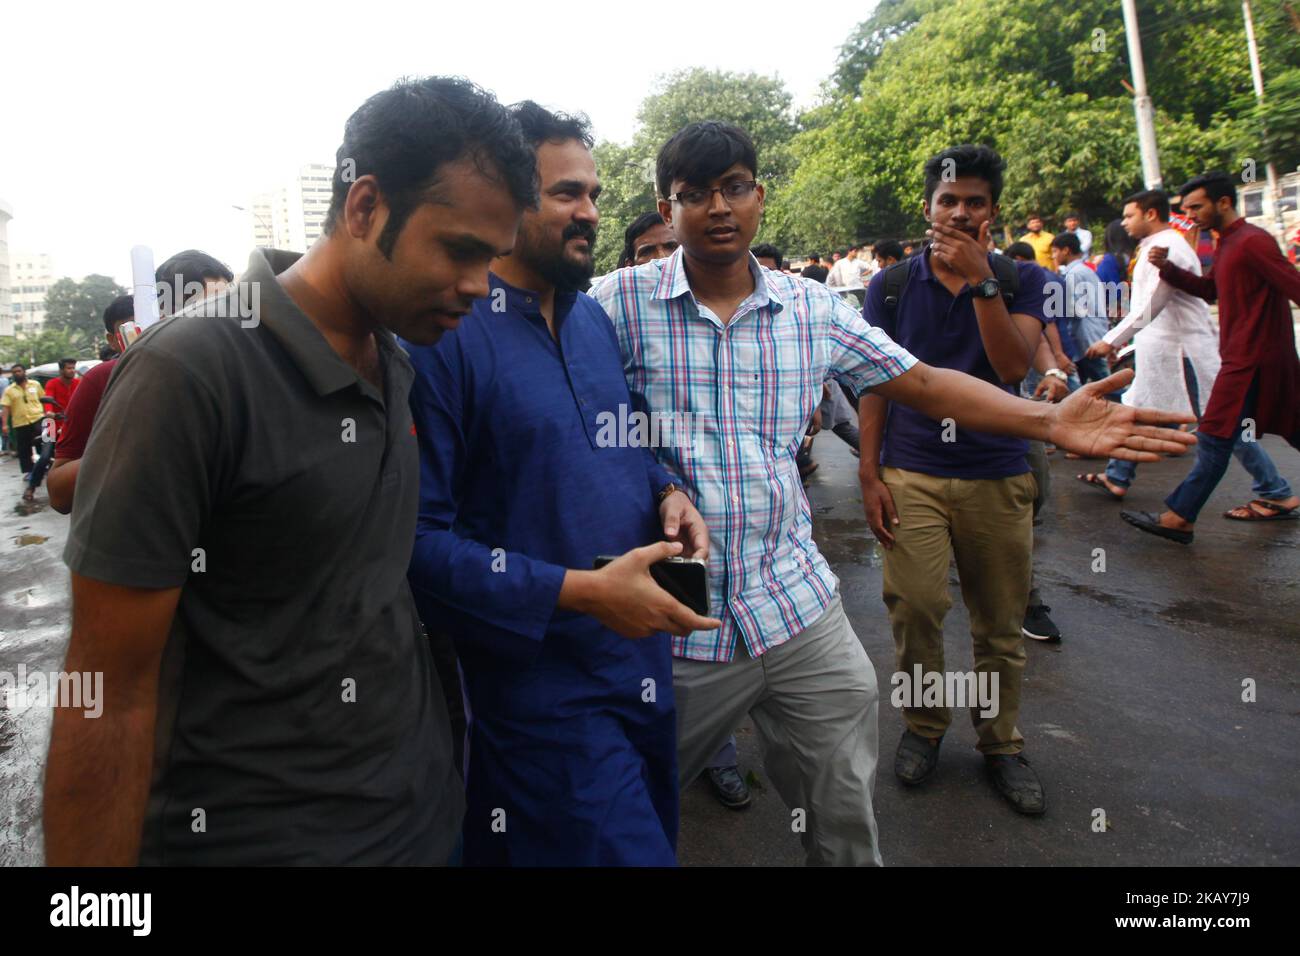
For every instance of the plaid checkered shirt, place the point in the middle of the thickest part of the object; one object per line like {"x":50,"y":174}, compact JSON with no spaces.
{"x":739,"y":396}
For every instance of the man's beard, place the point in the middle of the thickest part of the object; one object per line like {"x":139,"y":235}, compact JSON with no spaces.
{"x":563,"y":272}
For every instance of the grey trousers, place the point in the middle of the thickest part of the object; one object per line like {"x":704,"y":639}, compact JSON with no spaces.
{"x":814,"y":702}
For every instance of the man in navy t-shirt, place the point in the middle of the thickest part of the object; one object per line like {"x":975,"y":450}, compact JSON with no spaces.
{"x":956,"y":490}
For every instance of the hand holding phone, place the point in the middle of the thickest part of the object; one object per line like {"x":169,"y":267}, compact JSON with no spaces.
{"x":624,"y":595}
{"x":686,"y":579}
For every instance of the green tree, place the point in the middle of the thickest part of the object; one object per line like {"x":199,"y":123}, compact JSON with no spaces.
{"x":920,"y":75}
{"x":48,"y":345}
{"x":1274,"y":124}
{"x":628,"y":190}
{"x":890,"y":20}
{"x":77,"y":308}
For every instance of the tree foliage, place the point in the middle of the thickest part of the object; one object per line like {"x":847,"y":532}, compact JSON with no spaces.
{"x":760,"y":105}
{"x":48,"y":345}
{"x":1048,"y":90}
{"x":77,"y":308}
{"x":1047,"y":87}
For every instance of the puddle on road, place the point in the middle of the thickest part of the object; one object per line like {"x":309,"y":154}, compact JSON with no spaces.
{"x":846,"y":540}
{"x":25,"y":539}
{"x":28,"y":597}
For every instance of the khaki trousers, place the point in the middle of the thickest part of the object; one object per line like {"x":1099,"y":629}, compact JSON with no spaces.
{"x":987,"y":524}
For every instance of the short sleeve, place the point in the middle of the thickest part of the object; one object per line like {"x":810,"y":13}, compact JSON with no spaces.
{"x":146,"y":485}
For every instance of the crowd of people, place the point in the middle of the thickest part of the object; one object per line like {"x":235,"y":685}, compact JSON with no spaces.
{"x":372,"y":579}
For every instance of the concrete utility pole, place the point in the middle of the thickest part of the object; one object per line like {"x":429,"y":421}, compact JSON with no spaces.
{"x":1258,"y":77}
{"x":1141,"y":101}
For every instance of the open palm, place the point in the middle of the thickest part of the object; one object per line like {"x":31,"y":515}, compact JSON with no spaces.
{"x":1088,"y":425}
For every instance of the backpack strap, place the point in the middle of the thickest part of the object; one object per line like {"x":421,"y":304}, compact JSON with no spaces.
{"x":1008,"y":276}
{"x":895,"y":278}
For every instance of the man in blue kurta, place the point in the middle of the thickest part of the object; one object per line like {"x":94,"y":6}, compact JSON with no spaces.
{"x":529,"y":471}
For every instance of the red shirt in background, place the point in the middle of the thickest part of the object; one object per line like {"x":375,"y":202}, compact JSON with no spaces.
{"x":80,"y":411}
{"x":61,"y":390}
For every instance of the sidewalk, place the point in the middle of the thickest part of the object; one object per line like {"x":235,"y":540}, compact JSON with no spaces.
{"x":34,"y":605}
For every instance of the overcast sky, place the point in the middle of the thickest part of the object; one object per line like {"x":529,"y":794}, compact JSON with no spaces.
{"x":144,"y":122}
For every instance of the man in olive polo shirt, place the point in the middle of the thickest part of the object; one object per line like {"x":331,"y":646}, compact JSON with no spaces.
{"x":244,"y":518}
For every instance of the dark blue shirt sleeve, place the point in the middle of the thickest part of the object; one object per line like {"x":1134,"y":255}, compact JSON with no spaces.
{"x":498,"y":603}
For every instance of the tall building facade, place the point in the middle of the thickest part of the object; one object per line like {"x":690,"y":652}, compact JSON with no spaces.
{"x":6,"y":293}
{"x":292,"y":216}
{"x":30,"y":278}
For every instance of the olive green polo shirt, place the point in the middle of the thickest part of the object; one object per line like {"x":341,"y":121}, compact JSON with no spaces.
{"x":242,"y":460}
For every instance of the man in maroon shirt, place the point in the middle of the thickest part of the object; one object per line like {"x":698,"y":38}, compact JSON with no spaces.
{"x":79,"y":412}
{"x":185,"y":270}
{"x":1257,"y":390}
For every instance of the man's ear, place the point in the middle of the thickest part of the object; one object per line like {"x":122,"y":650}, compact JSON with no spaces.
{"x":925,"y":209}
{"x":666,"y":210}
{"x":364,"y":210}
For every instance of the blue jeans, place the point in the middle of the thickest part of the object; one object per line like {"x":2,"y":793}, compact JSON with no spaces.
{"x":42,"y":466}
{"x":1212,"y":456}
{"x":1268,"y":482}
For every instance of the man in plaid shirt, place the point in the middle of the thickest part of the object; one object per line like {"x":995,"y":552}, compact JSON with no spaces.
{"x":743,"y":351}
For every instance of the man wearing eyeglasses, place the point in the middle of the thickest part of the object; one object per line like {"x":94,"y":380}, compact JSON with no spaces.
{"x":745,"y":352}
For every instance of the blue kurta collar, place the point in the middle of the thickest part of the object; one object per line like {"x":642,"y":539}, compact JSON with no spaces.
{"x":526,"y":301}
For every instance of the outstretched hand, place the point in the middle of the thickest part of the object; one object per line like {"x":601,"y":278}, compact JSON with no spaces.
{"x":1087,"y":424}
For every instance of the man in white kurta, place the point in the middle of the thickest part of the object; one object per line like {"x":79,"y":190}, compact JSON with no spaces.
{"x":1176,"y":344}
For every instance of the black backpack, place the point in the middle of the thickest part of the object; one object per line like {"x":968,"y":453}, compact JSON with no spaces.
{"x":896,"y":277}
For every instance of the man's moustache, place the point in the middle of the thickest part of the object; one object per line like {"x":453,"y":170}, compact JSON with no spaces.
{"x":575,"y":231}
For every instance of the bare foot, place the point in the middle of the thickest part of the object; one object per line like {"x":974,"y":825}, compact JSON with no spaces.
{"x":1099,"y":478}
{"x":1169,"y":519}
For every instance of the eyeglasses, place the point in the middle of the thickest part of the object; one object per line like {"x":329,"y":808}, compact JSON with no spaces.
{"x":733,"y":192}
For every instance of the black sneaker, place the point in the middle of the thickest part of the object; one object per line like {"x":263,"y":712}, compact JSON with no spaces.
{"x":729,"y":787}
{"x":1038,"y":626}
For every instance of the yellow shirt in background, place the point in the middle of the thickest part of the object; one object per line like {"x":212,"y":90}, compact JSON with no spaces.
{"x":1042,"y":243}
{"x":24,"y":403}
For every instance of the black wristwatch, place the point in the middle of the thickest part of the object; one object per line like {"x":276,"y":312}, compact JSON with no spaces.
{"x":990,"y":288}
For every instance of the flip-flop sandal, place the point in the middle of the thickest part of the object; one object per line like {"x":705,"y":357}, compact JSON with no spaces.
{"x":1150,"y":523}
{"x":1094,"y":479}
{"x":1279,"y":513}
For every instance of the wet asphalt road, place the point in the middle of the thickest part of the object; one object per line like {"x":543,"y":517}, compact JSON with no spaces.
{"x":1138,"y":712}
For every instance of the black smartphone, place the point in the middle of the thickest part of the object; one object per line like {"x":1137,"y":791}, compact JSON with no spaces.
{"x":686,"y":579}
